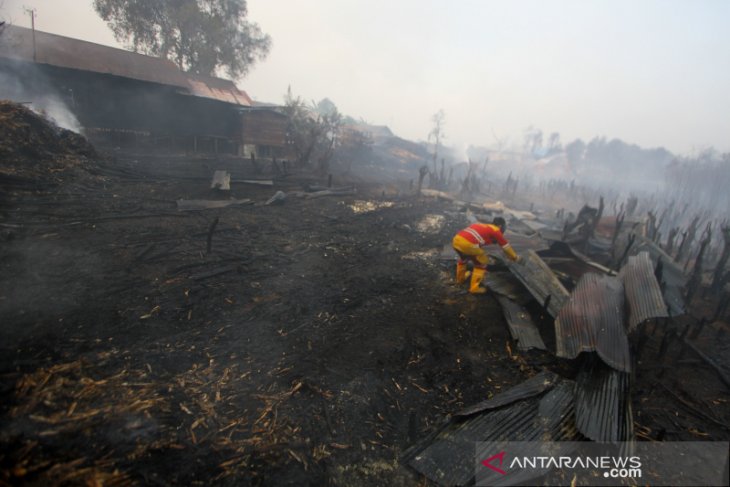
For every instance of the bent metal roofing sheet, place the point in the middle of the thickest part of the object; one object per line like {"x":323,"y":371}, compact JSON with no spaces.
{"x":537,"y":277}
{"x":643,"y":294}
{"x":592,"y":320}
{"x":447,"y":457}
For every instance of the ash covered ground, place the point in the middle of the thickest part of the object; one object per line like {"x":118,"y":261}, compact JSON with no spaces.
{"x":310,"y":341}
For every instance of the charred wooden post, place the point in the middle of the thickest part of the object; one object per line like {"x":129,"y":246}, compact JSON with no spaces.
{"x":256,"y":168}
{"x":669,"y":247}
{"x":620,"y":262}
{"x":643,"y":339}
{"x":687,"y":239}
{"x":659,"y":270}
{"x":421,"y":176}
{"x":329,"y":180}
{"x":695,"y":280}
{"x":698,"y":328}
{"x":720,"y":272}
{"x":661,"y":222}
{"x":211,"y":229}
{"x":667,"y":338}
{"x":651,"y":227}
{"x":721,"y":309}
{"x":631,"y":205}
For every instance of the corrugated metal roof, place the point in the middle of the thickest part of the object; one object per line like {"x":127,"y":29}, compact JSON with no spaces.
{"x":66,"y":52}
{"x":603,"y":403}
{"x":672,"y":275}
{"x":506,"y":284}
{"x":592,"y":320}
{"x":521,"y":327}
{"x":71,"y":53}
{"x":217,"y":89}
{"x":643,"y":294}
{"x":537,"y":277}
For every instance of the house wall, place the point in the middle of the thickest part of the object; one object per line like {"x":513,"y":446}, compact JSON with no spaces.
{"x":111,"y":104}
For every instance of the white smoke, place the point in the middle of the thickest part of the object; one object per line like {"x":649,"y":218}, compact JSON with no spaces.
{"x":26,"y":84}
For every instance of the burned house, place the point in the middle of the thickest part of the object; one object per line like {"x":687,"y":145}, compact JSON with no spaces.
{"x":264,"y":131}
{"x":124,"y":98}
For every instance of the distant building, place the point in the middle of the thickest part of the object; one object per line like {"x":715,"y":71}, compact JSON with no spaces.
{"x":362,"y":133}
{"x":123,"y":97}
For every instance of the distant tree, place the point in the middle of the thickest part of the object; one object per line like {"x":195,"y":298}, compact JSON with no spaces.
{"x":437,"y":135}
{"x":533,"y":140}
{"x":575,"y":151}
{"x":313,"y":135}
{"x":199,"y":36}
{"x":554,"y":144}
{"x":324,"y":107}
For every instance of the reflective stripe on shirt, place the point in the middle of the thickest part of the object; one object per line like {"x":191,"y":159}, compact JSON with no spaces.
{"x":476,"y":235}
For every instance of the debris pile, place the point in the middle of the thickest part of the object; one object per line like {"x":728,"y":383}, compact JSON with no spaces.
{"x":32,"y":146}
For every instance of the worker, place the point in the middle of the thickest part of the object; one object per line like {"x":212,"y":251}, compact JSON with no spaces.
{"x":468,"y":245}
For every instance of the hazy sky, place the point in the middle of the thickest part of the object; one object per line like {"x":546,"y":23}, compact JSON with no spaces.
{"x":650,"y":72}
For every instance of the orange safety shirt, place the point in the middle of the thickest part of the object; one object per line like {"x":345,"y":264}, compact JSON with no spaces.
{"x":483,"y":234}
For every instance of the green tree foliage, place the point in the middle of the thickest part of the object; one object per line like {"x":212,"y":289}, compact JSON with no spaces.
{"x":313,"y":129}
{"x":199,"y":36}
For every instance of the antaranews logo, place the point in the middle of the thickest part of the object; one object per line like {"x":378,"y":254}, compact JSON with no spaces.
{"x":617,"y":467}
{"x":488,"y":462}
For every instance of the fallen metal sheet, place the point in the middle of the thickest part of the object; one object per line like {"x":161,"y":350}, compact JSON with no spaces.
{"x":522,"y":243}
{"x":537,"y":277}
{"x":221,"y":180}
{"x":562,"y":249}
{"x":506,"y":284}
{"x":535,"y":225}
{"x":521,"y":327}
{"x":533,"y":386}
{"x":603,"y":403}
{"x":643,"y":294}
{"x":448,"y":456}
{"x":194,"y":205}
{"x":672,"y":275}
{"x":592,"y":321}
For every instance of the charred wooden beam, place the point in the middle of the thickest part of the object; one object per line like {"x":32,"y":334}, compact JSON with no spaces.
{"x":209,"y":244}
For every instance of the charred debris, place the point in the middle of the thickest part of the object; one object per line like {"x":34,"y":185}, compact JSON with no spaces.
{"x":608,"y":285}
{"x":606,"y":322}
{"x":186,"y":307}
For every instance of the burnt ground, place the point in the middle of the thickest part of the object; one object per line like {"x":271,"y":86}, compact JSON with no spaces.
{"x":315,"y":342}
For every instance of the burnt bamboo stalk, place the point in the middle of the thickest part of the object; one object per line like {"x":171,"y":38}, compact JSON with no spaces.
{"x":695,"y":280}
{"x":717,"y":277}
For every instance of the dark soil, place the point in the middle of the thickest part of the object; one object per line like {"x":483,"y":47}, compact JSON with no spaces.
{"x":315,"y":342}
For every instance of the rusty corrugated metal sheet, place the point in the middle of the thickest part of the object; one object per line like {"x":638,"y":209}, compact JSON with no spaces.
{"x":537,"y":277}
{"x":592,"y":320}
{"x":643,"y":294}
{"x":65,"y":52}
{"x":603,"y":403}
{"x":521,"y":327}
{"x":217,"y":89}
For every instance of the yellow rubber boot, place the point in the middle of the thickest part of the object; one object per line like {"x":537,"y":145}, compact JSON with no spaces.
{"x":460,"y":272}
{"x":476,"y":279}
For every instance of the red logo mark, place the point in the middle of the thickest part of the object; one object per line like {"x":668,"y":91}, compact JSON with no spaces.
{"x":487,"y":463}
